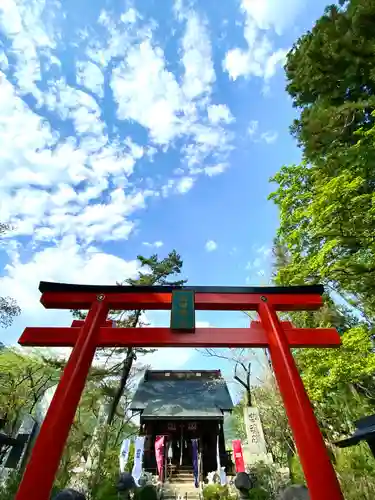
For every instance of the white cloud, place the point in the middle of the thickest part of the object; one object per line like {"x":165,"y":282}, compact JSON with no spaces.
{"x":3,"y":61}
{"x":264,"y":250}
{"x":211,"y":245}
{"x":90,"y":76}
{"x":50,"y":264}
{"x":129,"y":17}
{"x":147,"y":93}
{"x":21,"y":23}
{"x":169,"y":358}
{"x":196,"y":59}
{"x":53,"y":205}
{"x":254,"y":264}
{"x":219,"y":113}
{"x":155,"y":244}
{"x":253,"y":127}
{"x":269,"y":137}
{"x":259,"y":266}
{"x":273,"y":14}
{"x":276,"y":59}
{"x":260,"y":59}
{"x":66,"y":172}
{"x":90,"y":267}
{"x":184,"y":185}
{"x":215,"y":169}
{"x":93,"y":267}
{"x":253,"y":131}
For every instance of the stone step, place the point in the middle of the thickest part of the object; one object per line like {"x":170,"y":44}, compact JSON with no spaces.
{"x":181,"y":494}
{"x":189,"y":479}
{"x":182,"y":478}
{"x":180,"y":486}
{"x":181,"y":491}
{"x":189,"y":496}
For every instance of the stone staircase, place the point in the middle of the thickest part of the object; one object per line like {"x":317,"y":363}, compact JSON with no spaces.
{"x":181,"y":485}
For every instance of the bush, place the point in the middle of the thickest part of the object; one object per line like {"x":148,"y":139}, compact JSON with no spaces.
{"x":9,"y":487}
{"x":217,"y":492}
{"x":266,"y":480}
{"x":106,"y":491}
{"x":296,"y":472}
{"x":355,"y":468}
{"x":147,"y":492}
{"x":259,"y":494}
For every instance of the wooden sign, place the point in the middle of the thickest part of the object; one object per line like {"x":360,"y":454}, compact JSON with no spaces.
{"x":183,"y":311}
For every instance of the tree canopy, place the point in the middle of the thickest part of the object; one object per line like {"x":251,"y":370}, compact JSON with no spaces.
{"x":331,"y":78}
{"x":327,"y":222}
{"x":327,"y":214}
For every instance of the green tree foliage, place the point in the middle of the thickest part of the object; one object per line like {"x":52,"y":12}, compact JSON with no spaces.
{"x":8,"y":311}
{"x":8,"y":306}
{"x":327,"y":203}
{"x":331,"y":78}
{"x":327,"y":221}
{"x":23,"y":381}
{"x":327,"y":226}
{"x":102,"y":419}
{"x":276,"y":429}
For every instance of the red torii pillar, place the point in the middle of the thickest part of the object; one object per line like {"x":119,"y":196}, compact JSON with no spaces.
{"x":94,"y":332}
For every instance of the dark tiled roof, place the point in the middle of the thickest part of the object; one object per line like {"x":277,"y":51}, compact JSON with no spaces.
{"x":182,"y":395}
{"x":365,"y":429}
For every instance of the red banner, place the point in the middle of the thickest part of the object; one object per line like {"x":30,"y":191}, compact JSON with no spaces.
{"x":159,"y":454}
{"x":238,"y":455}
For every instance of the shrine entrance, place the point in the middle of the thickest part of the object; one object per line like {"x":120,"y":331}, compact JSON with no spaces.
{"x":95,"y":331}
{"x":182,"y":406}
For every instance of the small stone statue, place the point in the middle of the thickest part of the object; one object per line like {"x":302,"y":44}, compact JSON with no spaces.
{"x":244,"y":484}
{"x":212,"y":477}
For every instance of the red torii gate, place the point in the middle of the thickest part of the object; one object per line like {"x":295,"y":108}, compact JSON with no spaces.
{"x":96,"y":331}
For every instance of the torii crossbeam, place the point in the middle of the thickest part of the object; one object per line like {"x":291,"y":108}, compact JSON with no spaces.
{"x":95,"y":331}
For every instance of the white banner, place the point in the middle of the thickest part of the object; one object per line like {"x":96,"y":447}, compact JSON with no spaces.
{"x":218,"y":455}
{"x":138,"y":458}
{"x":223,"y":476}
{"x":124,"y":454}
{"x":220,"y":469}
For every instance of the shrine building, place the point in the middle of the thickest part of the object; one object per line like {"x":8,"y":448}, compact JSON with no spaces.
{"x":182,"y":406}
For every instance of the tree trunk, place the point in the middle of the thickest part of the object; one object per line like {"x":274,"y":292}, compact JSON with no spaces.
{"x":126,"y":368}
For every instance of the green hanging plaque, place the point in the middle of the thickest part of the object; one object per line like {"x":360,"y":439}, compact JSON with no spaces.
{"x":183,"y":311}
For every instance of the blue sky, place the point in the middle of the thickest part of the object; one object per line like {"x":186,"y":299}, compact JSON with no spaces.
{"x":134,"y":127}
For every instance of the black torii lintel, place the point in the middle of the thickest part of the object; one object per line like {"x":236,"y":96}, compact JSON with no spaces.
{"x":47,"y":286}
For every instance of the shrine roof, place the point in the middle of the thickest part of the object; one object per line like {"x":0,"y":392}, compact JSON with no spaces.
{"x":365,"y":429}
{"x":179,"y":394}
{"x":47,"y":286}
